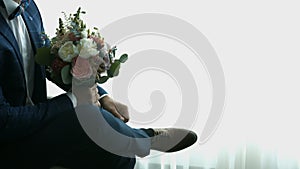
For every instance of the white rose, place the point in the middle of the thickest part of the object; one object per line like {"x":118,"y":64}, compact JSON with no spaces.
{"x":84,"y":34}
{"x":88,"y":48}
{"x":68,"y":51}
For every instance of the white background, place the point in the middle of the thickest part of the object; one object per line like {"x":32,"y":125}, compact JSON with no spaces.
{"x":258,"y":45}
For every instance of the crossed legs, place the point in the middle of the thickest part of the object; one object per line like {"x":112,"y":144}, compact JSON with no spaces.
{"x":63,"y":142}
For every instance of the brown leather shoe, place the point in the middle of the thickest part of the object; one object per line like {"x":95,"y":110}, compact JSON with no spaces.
{"x":172,"y":139}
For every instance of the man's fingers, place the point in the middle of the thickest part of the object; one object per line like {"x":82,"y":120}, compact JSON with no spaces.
{"x":110,"y":106}
{"x":95,"y":95}
{"x":94,"y":88}
{"x":123,"y":110}
{"x":126,"y":120}
{"x":116,"y":114}
{"x":98,"y":104}
{"x":98,"y":96}
{"x":87,"y":95}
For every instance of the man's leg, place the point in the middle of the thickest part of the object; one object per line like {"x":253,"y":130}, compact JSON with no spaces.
{"x":115,"y":136}
{"x":61,"y":142}
{"x":64,"y":139}
{"x":92,"y":160}
{"x":136,"y":141}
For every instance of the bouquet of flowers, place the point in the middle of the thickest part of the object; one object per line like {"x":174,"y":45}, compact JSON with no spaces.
{"x":77,"y":53}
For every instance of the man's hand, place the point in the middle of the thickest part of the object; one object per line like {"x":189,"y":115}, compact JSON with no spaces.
{"x":86,"y":95}
{"x":118,"y":109}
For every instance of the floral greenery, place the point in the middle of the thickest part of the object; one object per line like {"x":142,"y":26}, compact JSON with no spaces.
{"x":74,"y":40}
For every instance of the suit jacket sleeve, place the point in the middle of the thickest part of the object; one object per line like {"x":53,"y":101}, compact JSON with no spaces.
{"x":20,"y":121}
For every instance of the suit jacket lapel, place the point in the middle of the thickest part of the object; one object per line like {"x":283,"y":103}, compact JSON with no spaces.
{"x":30,"y":27}
{"x":33,"y":24}
{"x":10,"y":37}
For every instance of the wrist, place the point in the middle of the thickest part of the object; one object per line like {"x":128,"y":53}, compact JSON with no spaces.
{"x":102,"y":96}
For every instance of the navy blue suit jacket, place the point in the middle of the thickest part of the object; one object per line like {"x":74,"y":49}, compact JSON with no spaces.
{"x":18,"y":120}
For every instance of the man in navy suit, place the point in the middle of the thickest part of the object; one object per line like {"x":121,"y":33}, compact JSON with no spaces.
{"x":38,"y":133}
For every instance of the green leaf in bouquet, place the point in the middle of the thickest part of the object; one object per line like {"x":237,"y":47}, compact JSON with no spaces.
{"x":43,"y":56}
{"x":102,"y":79}
{"x":123,"y":58}
{"x":114,"y":69}
{"x":65,"y":74}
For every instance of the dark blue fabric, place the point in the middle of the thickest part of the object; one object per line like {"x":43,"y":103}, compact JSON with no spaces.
{"x":101,"y":91}
{"x":2,"y":4}
{"x":63,"y":142}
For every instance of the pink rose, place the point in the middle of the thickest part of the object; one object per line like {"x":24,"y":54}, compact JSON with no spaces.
{"x":97,"y":64}
{"x":82,"y":69}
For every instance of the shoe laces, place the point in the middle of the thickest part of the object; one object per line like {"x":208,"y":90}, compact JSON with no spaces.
{"x":160,"y":132}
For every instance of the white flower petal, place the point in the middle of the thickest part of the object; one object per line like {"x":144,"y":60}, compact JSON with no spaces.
{"x":68,"y":51}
